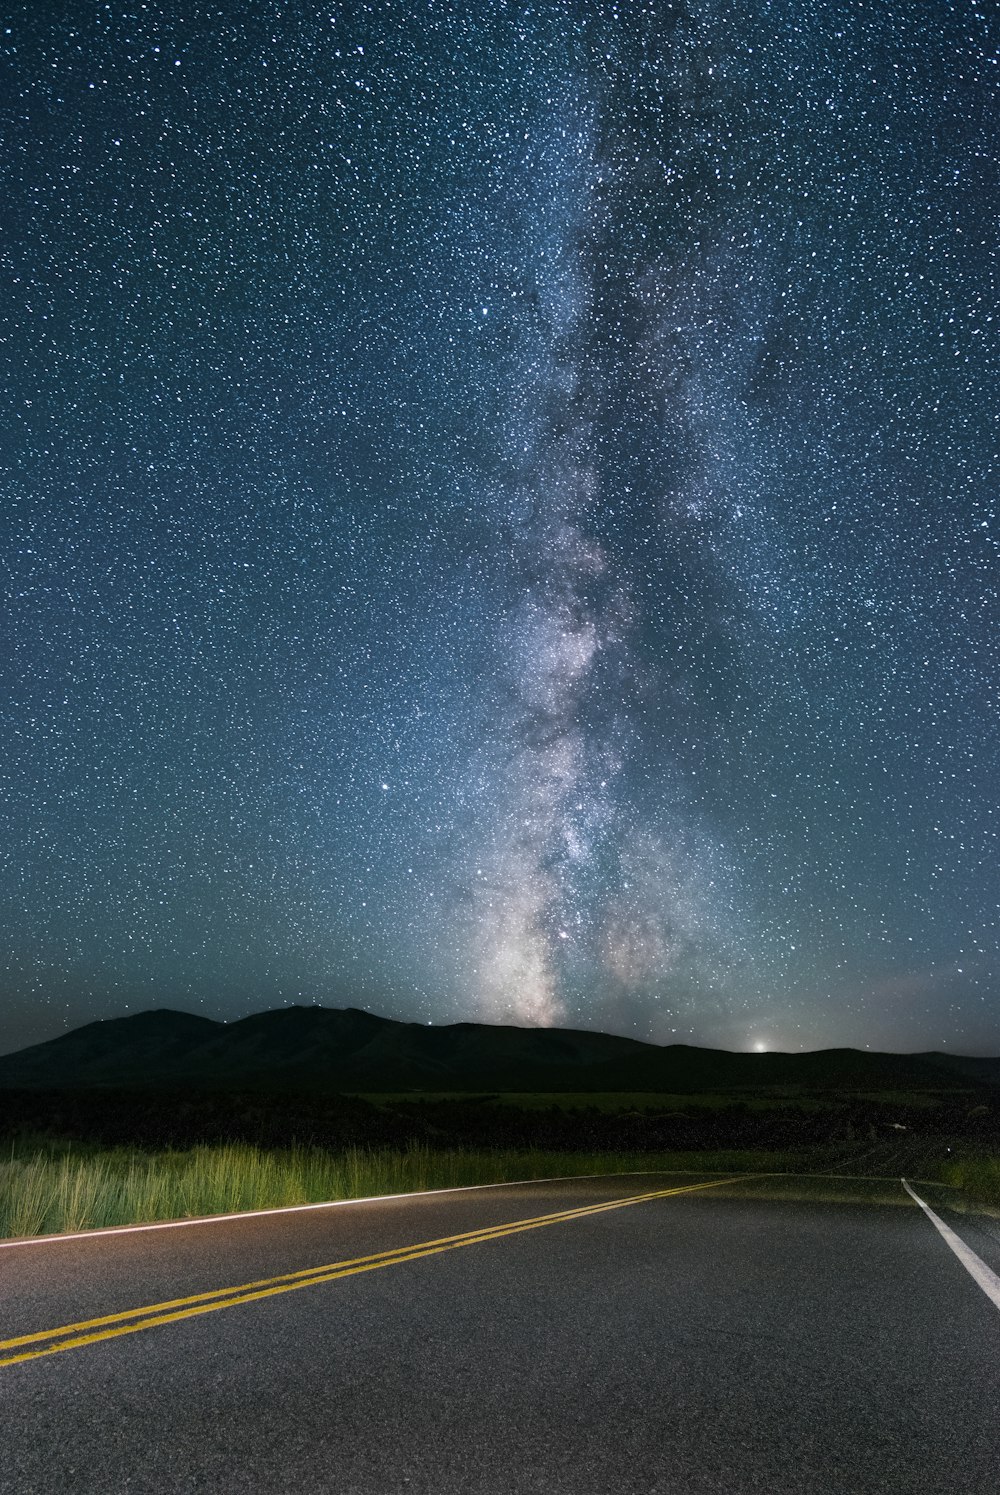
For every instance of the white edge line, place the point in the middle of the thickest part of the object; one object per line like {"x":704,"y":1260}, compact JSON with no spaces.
{"x":296,"y":1209}
{"x":973,"y":1264}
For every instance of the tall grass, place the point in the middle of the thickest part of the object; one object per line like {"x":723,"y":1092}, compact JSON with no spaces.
{"x":978,"y":1179}
{"x":46,"y":1188}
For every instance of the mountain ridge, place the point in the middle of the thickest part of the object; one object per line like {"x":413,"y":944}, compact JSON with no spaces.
{"x":336,"y":1050}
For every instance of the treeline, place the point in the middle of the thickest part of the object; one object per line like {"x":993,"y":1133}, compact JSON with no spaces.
{"x":158,"y":1118}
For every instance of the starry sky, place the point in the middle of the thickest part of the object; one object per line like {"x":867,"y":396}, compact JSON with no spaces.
{"x":499,"y":515}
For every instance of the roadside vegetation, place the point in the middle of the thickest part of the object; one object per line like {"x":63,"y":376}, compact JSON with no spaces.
{"x":78,"y":1160}
{"x":977,"y":1178}
{"x":46,"y":1187}
{"x":49,"y":1186}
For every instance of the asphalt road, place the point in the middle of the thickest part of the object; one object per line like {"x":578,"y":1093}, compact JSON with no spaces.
{"x":699,"y":1342}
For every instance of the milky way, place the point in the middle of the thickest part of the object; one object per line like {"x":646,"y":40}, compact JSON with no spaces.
{"x":500,"y":517}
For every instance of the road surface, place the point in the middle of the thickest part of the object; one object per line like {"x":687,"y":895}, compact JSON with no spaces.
{"x":700,"y":1341}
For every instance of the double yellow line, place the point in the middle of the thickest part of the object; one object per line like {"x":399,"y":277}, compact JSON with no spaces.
{"x":134,"y":1320}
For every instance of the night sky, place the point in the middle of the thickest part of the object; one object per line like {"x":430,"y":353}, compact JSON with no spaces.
{"x":500,"y":515}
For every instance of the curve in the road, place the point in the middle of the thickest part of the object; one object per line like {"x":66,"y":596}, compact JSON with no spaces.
{"x":155,"y":1315}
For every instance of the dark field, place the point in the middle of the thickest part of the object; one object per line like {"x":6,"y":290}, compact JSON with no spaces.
{"x":780,"y":1118}
{"x":80,"y":1159}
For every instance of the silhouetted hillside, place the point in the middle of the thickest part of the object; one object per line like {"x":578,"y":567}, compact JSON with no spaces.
{"x":118,"y":1051}
{"x":326,"y":1050}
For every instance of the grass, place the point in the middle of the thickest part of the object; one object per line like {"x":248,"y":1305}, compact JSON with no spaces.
{"x":48,"y":1188}
{"x":977,"y":1178}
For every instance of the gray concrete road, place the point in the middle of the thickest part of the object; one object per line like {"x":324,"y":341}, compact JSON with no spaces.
{"x":711,"y":1341}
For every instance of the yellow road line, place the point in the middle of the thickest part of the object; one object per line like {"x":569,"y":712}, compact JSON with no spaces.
{"x":112,"y":1325}
{"x":380,"y":1258}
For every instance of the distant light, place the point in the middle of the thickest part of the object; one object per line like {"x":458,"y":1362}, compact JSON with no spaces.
{"x":760,"y":1048}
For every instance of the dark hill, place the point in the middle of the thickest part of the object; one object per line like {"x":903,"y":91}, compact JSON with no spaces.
{"x":316,"y":1048}
{"x":118,"y":1051}
{"x":979,"y":1071}
{"x":325,"y":1050}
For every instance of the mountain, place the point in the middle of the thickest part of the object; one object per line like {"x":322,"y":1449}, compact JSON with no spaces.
{"x":121,"y":1050}
{"x":328,"y":1050}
